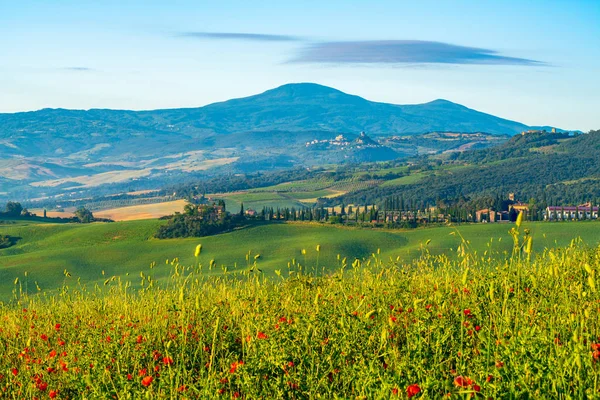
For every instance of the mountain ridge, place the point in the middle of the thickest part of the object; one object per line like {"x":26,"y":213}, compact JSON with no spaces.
{"x":295,"y":107}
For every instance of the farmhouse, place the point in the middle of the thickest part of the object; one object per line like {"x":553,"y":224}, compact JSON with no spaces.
{"x":487,"y":215}
{"x":561,"y":213}
{"x":211,"y":213}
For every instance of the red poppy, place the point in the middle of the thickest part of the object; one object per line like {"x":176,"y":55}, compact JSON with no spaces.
{"x":596,"y":351}
{"x":234,"y":366}
{"x":412,"y":390}
{"x":467,"y":312}
{"x":395,"y":391}
{"x":52,"y":354}
{"x":42,"y":386}
{"x":57,"y":327}
{"x":167,"y":361}
{"x":53,"y":394}
{"x":261,"y":335}
{"x":461,"y":381}
{"x":147,"y":381}
{"x":44,"y":336}
{"x":129,"y":377}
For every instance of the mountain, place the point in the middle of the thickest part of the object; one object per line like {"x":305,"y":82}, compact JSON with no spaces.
{"x":58,"y":149}
{"x":308,"y":106}
{"x":291,"y":107}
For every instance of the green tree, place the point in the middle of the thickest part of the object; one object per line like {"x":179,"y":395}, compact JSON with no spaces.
{"x":14,"y":209}
{"x":84,"y":215}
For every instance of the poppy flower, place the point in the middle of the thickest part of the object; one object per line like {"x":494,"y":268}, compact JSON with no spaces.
{"x":234,"y":366}
{"x":53,"y":394}
{"x":412,"y":390}
{"x":167,"y":361}
{"x":14,"y":371}
{"x":261,"y":335}
{"x":57,"y":327}
{"x":147,"y":381}
{"x":461,"y":381}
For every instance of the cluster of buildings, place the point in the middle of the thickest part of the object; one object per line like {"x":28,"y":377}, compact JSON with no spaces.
{"x":585,"y":211}
{"x":537,"y":131}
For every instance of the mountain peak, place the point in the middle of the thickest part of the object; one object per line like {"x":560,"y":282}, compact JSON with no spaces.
{"x":442,"y":102}
{"x":303,"y":89}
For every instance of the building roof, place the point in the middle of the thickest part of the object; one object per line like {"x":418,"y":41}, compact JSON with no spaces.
{"x":571,"y":208}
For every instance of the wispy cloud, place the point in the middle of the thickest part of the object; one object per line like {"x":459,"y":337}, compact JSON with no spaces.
{"x":77,"y":69}
{"x":403,"y":52}
{"x":257,"y":37}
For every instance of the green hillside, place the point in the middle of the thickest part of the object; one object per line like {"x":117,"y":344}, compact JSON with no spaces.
{"x":44,"y":251}
{"x":552,"y":168}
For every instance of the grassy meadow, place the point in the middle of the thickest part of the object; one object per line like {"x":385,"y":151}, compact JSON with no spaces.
{"x":473,"y":325}
{"x":93,"y":251}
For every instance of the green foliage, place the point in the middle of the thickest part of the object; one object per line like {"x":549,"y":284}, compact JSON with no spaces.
{"x":13,"y":209}
{"x":6,"y":241}
{"x":198,"y":221}
{"x":84,"y":215}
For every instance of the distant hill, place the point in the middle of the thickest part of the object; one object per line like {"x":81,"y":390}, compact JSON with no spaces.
{"x":292,"y":107}
{"x":68,"y":149}
{"x":551,"y":168}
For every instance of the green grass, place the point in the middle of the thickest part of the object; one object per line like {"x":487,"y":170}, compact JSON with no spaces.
{"x":46,"y":250}
{"x":464,"y":327}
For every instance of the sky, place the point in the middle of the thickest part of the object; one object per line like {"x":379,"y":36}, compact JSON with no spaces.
{"x":535,"y":61}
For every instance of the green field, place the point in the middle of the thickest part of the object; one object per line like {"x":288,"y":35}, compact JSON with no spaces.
{"x":85,"y":251}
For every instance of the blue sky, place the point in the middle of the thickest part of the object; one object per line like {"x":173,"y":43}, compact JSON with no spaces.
{"x":537,"y":62}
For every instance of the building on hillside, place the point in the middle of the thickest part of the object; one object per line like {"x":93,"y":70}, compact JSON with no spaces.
{"x":519,"y":207}
{"x":490,"y":215}
{"x":486,"y":215}
{"x":211,"y":213}
{"x":561,"y":213}
{"x":250,"y":212}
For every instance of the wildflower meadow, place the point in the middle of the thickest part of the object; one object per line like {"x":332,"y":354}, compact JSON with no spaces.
{"x":467,"y":325}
